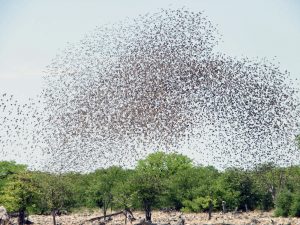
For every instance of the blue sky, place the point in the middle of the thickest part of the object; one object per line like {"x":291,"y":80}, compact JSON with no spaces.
{"x":33,"y":32}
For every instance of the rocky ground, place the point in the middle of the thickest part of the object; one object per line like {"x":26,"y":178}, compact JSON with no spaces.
{"x":251,"y":218}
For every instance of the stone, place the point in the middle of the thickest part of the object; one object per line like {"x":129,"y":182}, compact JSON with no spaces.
{"x":143,"y":222}
{"x":181,"y":220}
{"x":4,"y":217}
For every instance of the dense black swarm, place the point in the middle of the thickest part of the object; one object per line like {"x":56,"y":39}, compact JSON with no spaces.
{"x":155,"y":83}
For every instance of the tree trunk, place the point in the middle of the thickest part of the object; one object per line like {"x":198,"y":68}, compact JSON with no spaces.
{"x":21,"y":218}
{"x":53,"y":216}
{"x":104,"y":210}
{"x":210,"y":209}
{"x":224,"y":207}
{"x":147,"y":208}
{"x":246,"y":207}
{"x":102,"y":217}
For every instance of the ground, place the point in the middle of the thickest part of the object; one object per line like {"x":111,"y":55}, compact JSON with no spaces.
{"x":251,"y":218}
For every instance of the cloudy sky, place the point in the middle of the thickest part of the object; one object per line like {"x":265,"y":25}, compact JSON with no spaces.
{"x":33,"y":32}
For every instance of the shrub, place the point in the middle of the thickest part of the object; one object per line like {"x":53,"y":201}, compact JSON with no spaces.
{"x":199,"y":204}
{"x":265,"y":202}
{"x":283,"y":203}
{"x":295,"y":206}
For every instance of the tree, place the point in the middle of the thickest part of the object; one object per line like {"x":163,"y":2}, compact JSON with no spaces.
{"x":196,"y":186}
{"x":148,"y":186}
{"x":199,"y":204}
{"x":283,"y":203}
{"x":103,"y":184}
{"x":295,"y":206}
{"x":151,"y":178}
{"x":190,"y":184}
{"x":79,"y":185}
{"x":122,"y":191}
{"x":271,"y":178}
{"x":7,"y":169}
{"x":18,"y":194}
{"x":237,"y":188}
{"x":55,"y":193}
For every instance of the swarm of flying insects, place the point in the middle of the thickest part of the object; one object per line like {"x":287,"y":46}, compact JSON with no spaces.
{"x":156,"y":83}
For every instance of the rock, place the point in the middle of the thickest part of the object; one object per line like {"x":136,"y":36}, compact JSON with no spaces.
{"x":167,"y":210}
{"x":181,"y":221}
{"x":143,"y":222}
{"x":174,"y":219}
{"x":254,"y":221}
{"x":4,"y":217}
{"x":218,"y":224}
{"x":30,"y":222}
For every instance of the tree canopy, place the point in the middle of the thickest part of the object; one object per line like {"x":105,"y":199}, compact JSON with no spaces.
{"x":159,"y":181}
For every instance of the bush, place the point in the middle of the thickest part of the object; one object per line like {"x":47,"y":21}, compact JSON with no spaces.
{"x":283,"y":203}
{"x":265,"y":202}
{"x":295,"y":206}
{"x":199,"y":204}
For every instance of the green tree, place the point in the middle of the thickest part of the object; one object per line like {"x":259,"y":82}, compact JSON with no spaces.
{"x":295,"y":206}
{"x":18,"y":194}
{"x":191,"y":183}
{"x":151,"y":178}
{"x":122,"y":191}
{"x":283,"y":203}
{"x":79,"y":185}
{"x":198,"y":204}
{"x":237,"y":188}
{"x":55,"y":193}
{"x":148,"y":187}
{"x":102,"y":186}
{"x":7,"y":169}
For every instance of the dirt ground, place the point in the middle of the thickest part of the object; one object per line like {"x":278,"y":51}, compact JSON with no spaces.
{"x":251,"y":218}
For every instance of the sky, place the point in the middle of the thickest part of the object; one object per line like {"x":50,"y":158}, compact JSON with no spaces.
{"x":33,"y":32}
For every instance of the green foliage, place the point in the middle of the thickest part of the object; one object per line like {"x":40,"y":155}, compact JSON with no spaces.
{"x":287,"y":204}
{"x":147,"y":184}
{"x":54,"y":192}
{"x":283,"y":203}
{"x":103,"y":190}
{"x":198,"y":204}
{"x":7,"y":169}
{"x":264,"y":200}
{"x":19,"y":192}
{"x":229,"y":189}
{"x":158,"y":174}
{"x":151,"y":179}
{"x":265,"y":181}
{"x":165,"y":165}
{"x":295,"y":206}
{"x":190,"y":184}
{"x":122,"y":191}
{"x":79,"y":186}
{"x":159,"y":181}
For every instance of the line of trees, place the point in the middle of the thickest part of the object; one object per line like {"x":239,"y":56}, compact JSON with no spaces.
{"x":159,"y":181}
